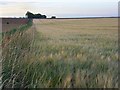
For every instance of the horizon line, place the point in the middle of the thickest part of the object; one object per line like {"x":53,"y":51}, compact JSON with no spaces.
{"x":68,"y":17}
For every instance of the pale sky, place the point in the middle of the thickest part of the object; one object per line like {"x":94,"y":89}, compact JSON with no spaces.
{"x":59,"y":8}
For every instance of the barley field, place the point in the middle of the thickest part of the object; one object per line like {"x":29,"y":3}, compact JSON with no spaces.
{"x":63,"y":53}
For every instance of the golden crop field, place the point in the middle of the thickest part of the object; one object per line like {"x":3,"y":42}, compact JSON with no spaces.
{"x":63,"y":31}
{"x":64,"y":53}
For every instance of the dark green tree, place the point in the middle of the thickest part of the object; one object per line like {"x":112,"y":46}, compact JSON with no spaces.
{"x":31,"y":15}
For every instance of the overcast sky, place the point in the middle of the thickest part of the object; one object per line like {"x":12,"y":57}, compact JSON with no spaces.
{"x":59,"y":8}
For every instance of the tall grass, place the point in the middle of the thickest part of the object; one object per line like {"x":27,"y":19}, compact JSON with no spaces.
{"x":15,"y":45}
{"x":29,"y":61}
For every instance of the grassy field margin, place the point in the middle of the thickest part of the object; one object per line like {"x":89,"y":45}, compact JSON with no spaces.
{"x":15,"y":44}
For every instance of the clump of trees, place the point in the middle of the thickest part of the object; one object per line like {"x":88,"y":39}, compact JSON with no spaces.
{"x":31,"y":15}
{"x":53,"y":17}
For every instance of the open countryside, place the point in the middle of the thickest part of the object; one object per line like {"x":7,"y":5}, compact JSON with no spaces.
{"x":62,"y":53}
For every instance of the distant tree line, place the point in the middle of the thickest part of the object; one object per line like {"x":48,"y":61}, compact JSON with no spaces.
{"x":31,"y":15}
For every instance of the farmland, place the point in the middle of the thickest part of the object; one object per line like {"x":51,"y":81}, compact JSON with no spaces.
{"x":63,"y":53}
{"x":12,"y":23}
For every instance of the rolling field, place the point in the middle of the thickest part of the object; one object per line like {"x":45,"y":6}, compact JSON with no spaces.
{"x":12,"y":23}
{"x":64,"y":53}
